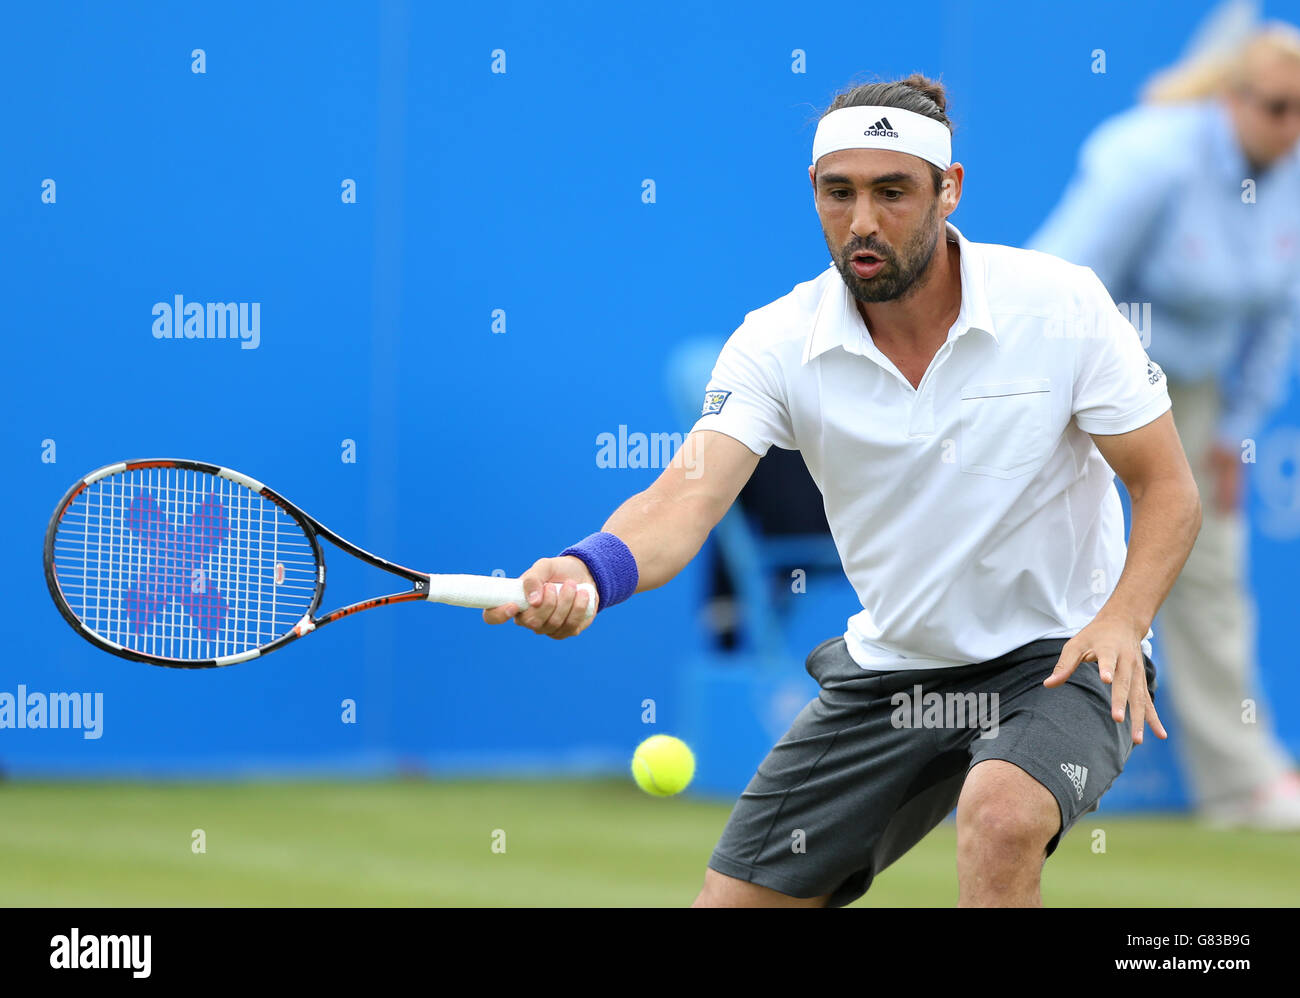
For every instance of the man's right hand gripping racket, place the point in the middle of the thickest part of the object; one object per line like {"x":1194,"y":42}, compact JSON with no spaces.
{"x":190,"y":565}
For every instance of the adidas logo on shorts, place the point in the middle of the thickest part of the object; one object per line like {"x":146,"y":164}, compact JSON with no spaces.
{"x":1078,"y":776}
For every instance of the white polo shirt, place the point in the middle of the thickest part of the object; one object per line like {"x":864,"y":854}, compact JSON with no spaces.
{"x":972,"y":514}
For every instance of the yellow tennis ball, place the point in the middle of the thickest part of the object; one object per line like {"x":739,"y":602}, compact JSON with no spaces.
{"x":663,"y":765}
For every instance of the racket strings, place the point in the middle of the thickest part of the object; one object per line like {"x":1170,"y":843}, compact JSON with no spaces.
{"x":181,"y":564}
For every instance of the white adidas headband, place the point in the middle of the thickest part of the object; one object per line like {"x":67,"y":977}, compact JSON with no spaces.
{"x":875,"y":127}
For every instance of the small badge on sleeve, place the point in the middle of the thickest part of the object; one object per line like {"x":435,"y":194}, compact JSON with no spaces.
{"x":1154,"y":373}
{"x":713,"y":402}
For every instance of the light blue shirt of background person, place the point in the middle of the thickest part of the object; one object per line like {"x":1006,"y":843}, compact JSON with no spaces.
{"x":1159,"y":208}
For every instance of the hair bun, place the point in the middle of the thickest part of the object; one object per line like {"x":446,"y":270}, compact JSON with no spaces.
{"x":930,"y":88}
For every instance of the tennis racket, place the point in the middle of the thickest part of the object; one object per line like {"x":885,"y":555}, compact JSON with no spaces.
{"x":190,"y":565}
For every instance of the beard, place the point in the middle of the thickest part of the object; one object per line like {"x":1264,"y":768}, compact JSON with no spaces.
{"x":900,"y":271}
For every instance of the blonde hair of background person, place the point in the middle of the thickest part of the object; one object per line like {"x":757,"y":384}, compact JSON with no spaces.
{"x":1233,"y":73}
{"x":1207,"y":74}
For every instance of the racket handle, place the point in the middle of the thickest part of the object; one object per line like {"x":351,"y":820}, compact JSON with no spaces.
{"x":486,"y":591}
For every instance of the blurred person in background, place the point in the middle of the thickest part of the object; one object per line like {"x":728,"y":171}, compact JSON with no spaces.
{"x":1191,"y":202}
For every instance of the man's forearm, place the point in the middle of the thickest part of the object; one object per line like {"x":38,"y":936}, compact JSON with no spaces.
{"x":663,"y":534}
{"x":1166,"y":520}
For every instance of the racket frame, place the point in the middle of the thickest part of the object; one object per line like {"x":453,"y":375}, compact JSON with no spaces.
{"x":310,"y":526}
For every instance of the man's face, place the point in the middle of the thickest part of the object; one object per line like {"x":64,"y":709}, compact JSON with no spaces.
{"x":881,"y":203}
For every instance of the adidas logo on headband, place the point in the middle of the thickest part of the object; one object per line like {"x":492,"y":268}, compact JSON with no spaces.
{"x":882,"y":129}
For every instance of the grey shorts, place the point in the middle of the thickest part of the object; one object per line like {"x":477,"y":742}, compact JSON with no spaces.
{"x":878,"y":759}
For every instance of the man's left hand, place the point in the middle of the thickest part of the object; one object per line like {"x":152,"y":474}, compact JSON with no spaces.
{"x":1116,"y":647}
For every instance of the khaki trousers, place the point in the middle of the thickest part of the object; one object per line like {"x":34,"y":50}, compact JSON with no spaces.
{"x":1206,"y":633}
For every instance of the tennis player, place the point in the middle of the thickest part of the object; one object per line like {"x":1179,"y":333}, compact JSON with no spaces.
{"x":964,"y":408}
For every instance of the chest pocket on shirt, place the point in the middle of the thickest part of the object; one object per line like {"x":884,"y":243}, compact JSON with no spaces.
{"x":1005,"y":427}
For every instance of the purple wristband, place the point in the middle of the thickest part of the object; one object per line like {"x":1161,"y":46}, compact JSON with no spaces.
{"x":611,"y":564}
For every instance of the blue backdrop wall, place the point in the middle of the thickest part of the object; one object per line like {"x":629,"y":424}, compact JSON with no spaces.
{"x":501,"y":292}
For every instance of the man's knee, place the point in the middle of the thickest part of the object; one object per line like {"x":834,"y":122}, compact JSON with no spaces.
{"x":1005,"y":811}
{"x":721,"y":891}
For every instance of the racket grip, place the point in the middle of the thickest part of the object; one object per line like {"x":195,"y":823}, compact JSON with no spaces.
{"x":483,"y":592}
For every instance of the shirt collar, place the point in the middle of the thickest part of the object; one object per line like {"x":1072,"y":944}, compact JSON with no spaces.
{"x":838,"y":323}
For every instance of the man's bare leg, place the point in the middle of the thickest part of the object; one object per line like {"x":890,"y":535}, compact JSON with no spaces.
{"x":1005,"y":818}
{"x":721,"y":891}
